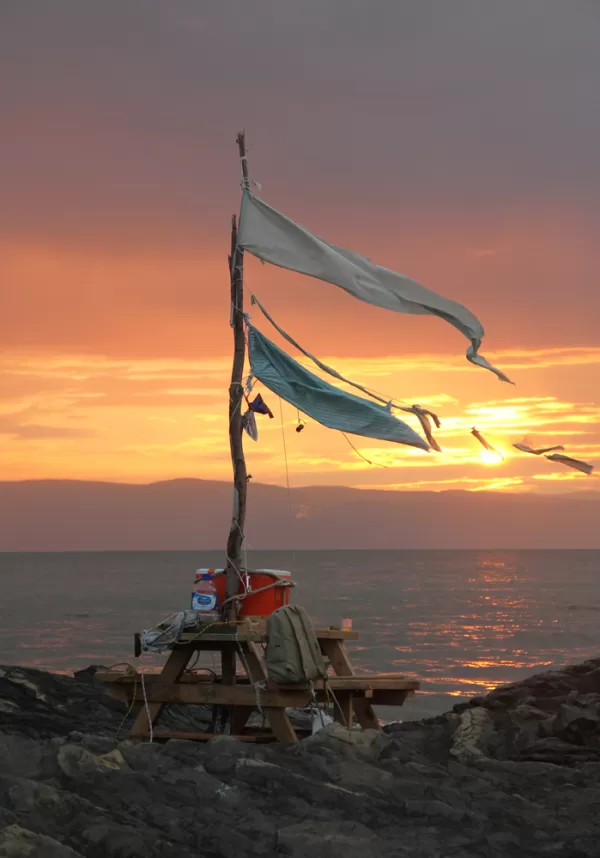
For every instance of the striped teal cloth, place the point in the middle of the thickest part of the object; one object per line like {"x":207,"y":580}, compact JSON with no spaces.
{"x":320,"y":400}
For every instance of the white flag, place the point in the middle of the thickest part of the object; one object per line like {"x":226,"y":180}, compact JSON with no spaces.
{"x":272,"y":237}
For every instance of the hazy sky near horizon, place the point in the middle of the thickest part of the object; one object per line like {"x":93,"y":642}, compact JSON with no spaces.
{"x":454,"y":141}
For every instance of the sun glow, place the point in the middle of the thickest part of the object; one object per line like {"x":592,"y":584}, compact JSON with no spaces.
{"x":488,"y":457}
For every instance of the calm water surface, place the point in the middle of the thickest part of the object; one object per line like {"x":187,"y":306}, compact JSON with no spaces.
{"x":460,"y":621}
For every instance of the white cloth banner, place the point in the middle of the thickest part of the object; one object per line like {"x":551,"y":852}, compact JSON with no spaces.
{"x":272,"y":237}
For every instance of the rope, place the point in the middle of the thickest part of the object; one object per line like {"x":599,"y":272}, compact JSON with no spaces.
{"x":131,"y":671}
{"x":150,"y":731}
{"x":241,"y":597}
{"x":246,"y":580}
{"x":329,"y":695}
{"x":287,"y":470}
{"x":229,"y":560}
{"x":287,"y":476}
{"x":235,"y":410}
{"x":379,"y":465}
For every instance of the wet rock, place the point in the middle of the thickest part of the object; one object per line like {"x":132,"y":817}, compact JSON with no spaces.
{"x":365,"y":744}
{"x":17,"y":842}
{"x":471,"y":738}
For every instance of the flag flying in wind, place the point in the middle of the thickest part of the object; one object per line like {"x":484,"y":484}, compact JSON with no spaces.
{"x":422,"y":414}
{"x":325,"y":403}
{"x":272,"y":237}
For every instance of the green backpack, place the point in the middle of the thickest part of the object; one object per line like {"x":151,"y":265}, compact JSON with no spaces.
{"x":293,"y":651}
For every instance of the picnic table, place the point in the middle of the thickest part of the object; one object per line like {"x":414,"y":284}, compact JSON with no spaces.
{"x":352,"y":696}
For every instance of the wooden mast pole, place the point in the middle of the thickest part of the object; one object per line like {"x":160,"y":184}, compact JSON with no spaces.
{"x":236,"y":393}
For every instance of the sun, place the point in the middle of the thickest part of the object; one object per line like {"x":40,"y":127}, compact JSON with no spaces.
{"x":488,"y":457}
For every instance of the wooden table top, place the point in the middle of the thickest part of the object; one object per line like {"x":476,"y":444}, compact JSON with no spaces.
{"x":225,"y":634}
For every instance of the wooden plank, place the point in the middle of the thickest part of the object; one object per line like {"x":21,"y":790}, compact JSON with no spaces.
{"x":115,"y":678}
{"x":190,"y":639}
{"x":215,"y":693}
{"x":372,"y":683}
{"x":280,"y":724}
{"x":390,"y":698}
{"x":365,"y":715}
{"x":338,"y":656}
{"x":336,"y":635}
{"x":174,"y":667}
{"x":254,"y":633}
{"x":362,"y":683}
{"x":353,"y":683}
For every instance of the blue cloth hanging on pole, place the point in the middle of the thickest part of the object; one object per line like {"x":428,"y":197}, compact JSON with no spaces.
{"x":325,"y":403}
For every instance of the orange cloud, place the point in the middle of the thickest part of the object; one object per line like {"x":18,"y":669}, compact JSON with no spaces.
{"x":143,"y":419}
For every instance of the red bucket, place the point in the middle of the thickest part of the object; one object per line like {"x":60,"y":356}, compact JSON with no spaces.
{"x":255,"y":604}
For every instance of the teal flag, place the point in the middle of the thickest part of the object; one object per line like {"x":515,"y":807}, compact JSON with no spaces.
{"x":320,"y":400}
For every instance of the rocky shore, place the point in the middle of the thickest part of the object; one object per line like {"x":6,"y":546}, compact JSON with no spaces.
{"x":515,"y":773}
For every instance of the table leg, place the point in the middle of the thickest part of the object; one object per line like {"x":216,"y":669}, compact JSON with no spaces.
{"x":337,"y":654}
{"x":280,"y":724}
{"x":343,"y":711}
{"x":174,"y":667}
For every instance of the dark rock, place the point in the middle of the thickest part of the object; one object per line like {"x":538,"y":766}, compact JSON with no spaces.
{"x":553,"y":750}
{"x":577,"y":725}
{"x":17,"y":842}
{"x":330,"y":840}
{"x":88,"y":673}
{"x":222,"y":754}
{"x":71,"y":787}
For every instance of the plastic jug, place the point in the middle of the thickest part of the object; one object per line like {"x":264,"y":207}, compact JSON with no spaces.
{"x":204,"y":594}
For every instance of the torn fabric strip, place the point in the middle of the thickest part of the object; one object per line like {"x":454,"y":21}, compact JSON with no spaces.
{"x":539,"y":451}
{"x":577,"y":464}
{"x":477,"y":434}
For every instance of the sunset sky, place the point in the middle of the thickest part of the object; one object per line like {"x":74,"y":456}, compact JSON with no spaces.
{"x":456,"y":142}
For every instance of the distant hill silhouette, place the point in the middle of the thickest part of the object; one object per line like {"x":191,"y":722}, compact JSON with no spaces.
{"x":66,"y":515}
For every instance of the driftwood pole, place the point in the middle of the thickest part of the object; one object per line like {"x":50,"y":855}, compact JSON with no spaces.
{"x":236,"y":393}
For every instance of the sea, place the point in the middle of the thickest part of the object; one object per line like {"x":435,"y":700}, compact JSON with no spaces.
{"x":461,"y":622}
